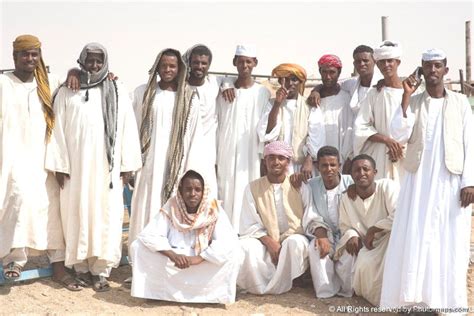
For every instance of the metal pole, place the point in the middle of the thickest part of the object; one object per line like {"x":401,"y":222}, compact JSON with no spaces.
{"x":468,"y":52}
{"x":384,"y":28}
{"x":461,"y":80}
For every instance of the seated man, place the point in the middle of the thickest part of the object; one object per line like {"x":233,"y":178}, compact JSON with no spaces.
{"x":271,"y":234}
{"x":189,"y":251}
{"x":365,"y":219}
{"x":323,"y":223}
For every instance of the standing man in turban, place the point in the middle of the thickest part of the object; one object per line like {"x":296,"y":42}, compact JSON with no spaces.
{"x":29,"y":195}
{"x":428,"y":254}
{"x":372,"y":125}
{"x":286,"y":118}
{"x":96,"y":145}
{"x":337,"y":116}
{"x":271,"y":231}
{"x":239,"y":148}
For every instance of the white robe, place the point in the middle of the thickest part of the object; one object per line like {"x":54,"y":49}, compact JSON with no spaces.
{"x":91,"y":211}
{"x":375,"y":116}
{"x":29,"y":194}
{"x":428,"y":254}
{"x":212,"y":281}
{"x":238,"y":146}
{"x":358,"y":92}
{"x":146,"y":200}
{"x":258,"y":274}
{"x":355,"y":218}
{"x":338,"y":119}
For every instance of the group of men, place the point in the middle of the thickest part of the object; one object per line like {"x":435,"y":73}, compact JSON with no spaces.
{"x":380,"y":188}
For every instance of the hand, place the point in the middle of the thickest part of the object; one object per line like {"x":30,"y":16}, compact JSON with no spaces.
{"x":307,"y":169}
{"x":346,"y":167}
{"x":273,"y":247}
{"x":281,"y":93}
{"x":126,"y":176}
{"x":467,"y":196}
{"x":112,"y":76}
{"x":229,"y":95}
{"x":296,"y":180}
{"x":180,"y":261}
{"x":195,"y":260}
{"x":351,"y":192}
{"x":60,"y":177}
{"x":369,"y":237}
{"x":314,"y":99}
{"x":73,"y":80}
{"x":353,"y":246}
{"x":395,"y":149}
{"x":323,"y":245}
{"x":380,"y":84}
{"x":410,"y":84}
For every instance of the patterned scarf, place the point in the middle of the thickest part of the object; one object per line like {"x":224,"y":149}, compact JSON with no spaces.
{"x":203,"y":221}
{"x":109,"y":96}
{"x":181,"y":110}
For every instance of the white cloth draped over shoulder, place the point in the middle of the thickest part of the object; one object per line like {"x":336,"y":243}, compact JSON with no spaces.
{"x":428,"y":254}
{"x":375,"y":116}
{"x":29,"y":194}
{"x":355,"y":218}
{"x":146,"y":201}
{"x":212,"y":281}
{"x":238,"y":146}
{"x":91,"y":200}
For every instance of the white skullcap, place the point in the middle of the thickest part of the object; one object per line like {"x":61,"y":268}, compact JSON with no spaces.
{"x":388,"y":50}
{"x":433,"y":54}
{"x":246,"y":50}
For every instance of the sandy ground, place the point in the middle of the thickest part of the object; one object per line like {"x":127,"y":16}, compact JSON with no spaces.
{"x":46,"y":297}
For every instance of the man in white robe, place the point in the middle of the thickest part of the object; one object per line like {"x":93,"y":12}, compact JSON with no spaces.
{"x":189,"y":251}
{"x":428,"y":253}
{"x":271,"y":232}
{"x":365,"y":219}
{"x":322,"y":225}
{"x":96,"y":147}
{"x":238,"y":144}
{"x":286,"y":118}
{"x":29,"y":195}
{"x":372,"y":125}
{"x":169,"y":120}
{"x":337,"y":116}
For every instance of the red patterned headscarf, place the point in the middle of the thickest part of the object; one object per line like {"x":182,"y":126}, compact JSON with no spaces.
{"x":330,"y":60}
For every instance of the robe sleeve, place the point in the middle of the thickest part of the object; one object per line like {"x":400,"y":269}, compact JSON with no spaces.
{"x":225,"y":83}
{"x":467,"y":178}
{"x":263,"y":123}
{"x":57,"y":155}
{"x":131,"y":154}
{"x":364,"y":123}
{"x":345,"y":225}
{"x":138,"y":104}
{"x":402,"y":127}
{"x":224,"y":241}
{"x":155,"y":235}
{"x":251,"y":225}
{"x":316,"y":133}
{"x":390,"y":191}
{"x":311,"y":218}
{"x":347,"y":143}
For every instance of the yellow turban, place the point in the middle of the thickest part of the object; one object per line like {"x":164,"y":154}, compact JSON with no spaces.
{"x":286,"y":70}
{"x":26,"y":42}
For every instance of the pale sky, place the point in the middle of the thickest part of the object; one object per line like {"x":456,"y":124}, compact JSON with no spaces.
{"x":283,"y":31}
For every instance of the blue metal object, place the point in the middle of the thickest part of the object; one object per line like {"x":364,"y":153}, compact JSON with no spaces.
{"x":29,"y":275}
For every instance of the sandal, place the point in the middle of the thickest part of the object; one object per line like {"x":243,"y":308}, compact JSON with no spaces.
{"x":83,"y":279}
{"x":69,"y":283}
{"x":12,"y":271}
{"x":100,"y":283}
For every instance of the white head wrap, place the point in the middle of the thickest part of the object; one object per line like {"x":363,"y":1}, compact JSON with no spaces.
{"x":388,"y":50}
{"x":433,"y":54}
{"x":248,"y":50}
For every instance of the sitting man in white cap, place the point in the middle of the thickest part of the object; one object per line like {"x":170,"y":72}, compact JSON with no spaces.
{"x":271,"y":232}
{"x":238,"y":152}
{"x":372,"y":125}
{"x":428,"y":254}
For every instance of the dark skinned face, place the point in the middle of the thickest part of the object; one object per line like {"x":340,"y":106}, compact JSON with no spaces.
{"x":168,"y":68}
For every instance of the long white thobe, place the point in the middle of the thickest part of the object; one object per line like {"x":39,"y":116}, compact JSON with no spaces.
{"x":91,"y":200}
{"x":355,"y":218}
{"x":29,"y":194}
{"x":428,"y":254}
{"x":375,"y":116}
{"x":258,"y":274}
{"x":238,"y":146}
{"x":146,"y":201}
{"x":357,"y":91}
{"x":156,"y":277}
{"x":338,"y":119}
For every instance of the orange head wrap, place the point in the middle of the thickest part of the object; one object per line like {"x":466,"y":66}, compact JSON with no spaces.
{"x":26,"y":42}
{"x":286,"y":70}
